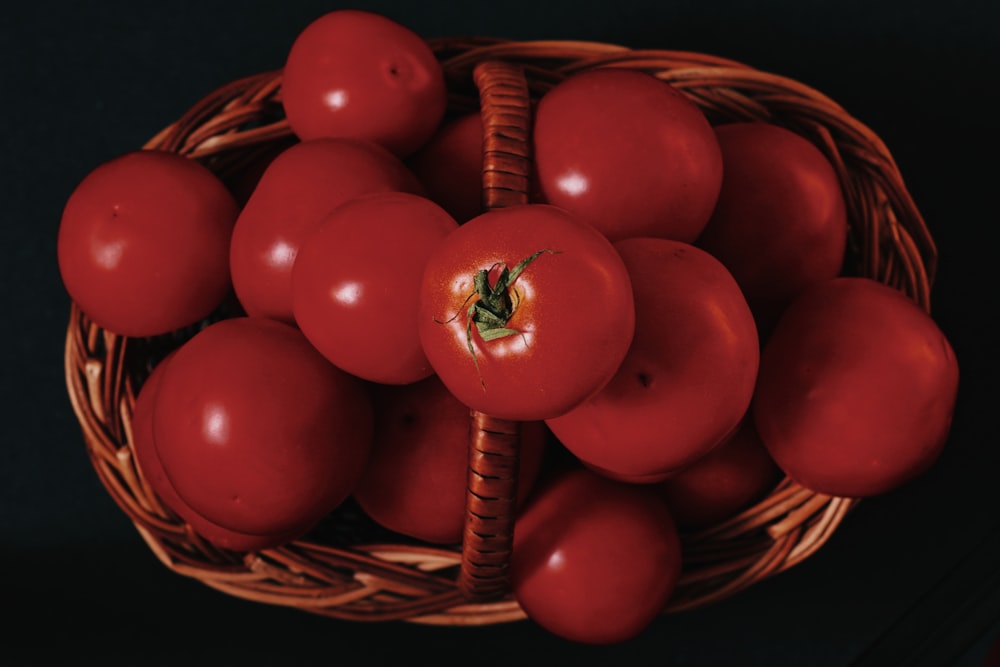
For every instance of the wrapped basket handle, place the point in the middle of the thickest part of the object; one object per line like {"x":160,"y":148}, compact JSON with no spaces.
{"x":491,"y":492}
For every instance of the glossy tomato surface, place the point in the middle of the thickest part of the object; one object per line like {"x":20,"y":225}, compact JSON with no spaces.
{"x":735,"y":474}
{"x":450,"y":166}
{"x":569,"y":313}
{"x":627,"y":153}
{"x":689,"y":374}
{"x":352,"y":73}
{"x":256,"y":431}
{"x":857,"y":389}
{"x":143,"y":243}
{"x":148,"y":461}
{"x":780,"y":224}
{"x":594,"y":560}
{"x":416,"y":479}
{"x":296,"y":191}
{"x":243,"y":180}
{"x":356,"y":284}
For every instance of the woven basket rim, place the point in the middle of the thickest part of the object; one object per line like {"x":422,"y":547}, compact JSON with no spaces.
{"x":382,"y":580}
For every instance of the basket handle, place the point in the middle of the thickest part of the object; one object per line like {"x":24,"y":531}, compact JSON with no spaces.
{"x":491,"y":493}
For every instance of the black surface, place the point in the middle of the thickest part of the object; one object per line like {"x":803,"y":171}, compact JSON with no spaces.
{"x":910,"y":576}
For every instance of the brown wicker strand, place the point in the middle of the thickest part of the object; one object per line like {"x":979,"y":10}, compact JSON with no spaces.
{"x":506,"y":114}
{"x":490,"y":505}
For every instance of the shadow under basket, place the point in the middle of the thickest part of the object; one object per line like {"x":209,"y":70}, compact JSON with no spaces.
{"x":350,"y":568}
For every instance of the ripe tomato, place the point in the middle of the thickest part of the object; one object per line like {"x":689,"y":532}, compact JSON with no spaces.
{"x":736,"y":473}
{"x":148,"y":461}
{"x":525,"y":312}
{"x":353,"y":73}
{"x":627,"y":153}
{"x":856,"y":390}
{"x":780,"y":223}
{"x":143,"y":244}
{"x":256,"y":431}
{"x":450,"y":166}
{"x":356,"y":284}
{"x":594,"y":560}
{"x":242,"y":179}
{"x":689,"y":374}
{"x":296,"y":191}
{"x":416,"y":479}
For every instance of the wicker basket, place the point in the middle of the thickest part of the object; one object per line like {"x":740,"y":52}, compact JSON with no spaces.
{"x":348,"y":567}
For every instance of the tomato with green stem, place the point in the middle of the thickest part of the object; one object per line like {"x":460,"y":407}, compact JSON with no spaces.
{"x":525,"y":312}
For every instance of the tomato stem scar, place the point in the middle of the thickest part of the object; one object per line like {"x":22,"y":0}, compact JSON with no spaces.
{"x":495,"y":304}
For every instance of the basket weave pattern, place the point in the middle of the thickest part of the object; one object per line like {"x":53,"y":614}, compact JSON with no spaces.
{"x":365,"y":574}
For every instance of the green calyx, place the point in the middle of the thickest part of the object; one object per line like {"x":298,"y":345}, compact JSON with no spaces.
{"x":495,"y":304}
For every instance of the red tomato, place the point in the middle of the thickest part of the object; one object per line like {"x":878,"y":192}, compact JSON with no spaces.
{"x":143,"y":245}
{"x":243,"y":178}
{"x":148,"y":461}
{"x":296,"y":191}
{"x":353,"y":73}
{"x":416,"y":479}
{"x":258,"y":432}
{"x":525,"y":312}
{"x":594,"y":560}
{"x":857,"y":389}
{"x":736,"y":473}
{"x":450,"y":166}
{"x":627,"y":153}
{"x":689,"y":374}
{"x":780,"y":224}
{"x":356,"y":284}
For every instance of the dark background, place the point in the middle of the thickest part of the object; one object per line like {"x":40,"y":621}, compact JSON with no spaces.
{"x":913,"y":575}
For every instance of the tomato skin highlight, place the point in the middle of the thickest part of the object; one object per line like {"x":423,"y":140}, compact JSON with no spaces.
{"x":594,"y":560}
{"x":353,"y":73}
{"x":143,"y":243}
{"x":298,"y":188}
{"x":256,"y":431}
{"x":356,"y":284}
{"x":416,"y":479}
{"x":857,"y":389}
{"x":689,"y":374}
{"x":627,"y":153}
{"x":574,"y":316}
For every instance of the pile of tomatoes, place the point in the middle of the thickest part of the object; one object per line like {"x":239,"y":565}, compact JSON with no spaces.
{"x":671,"y":310}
